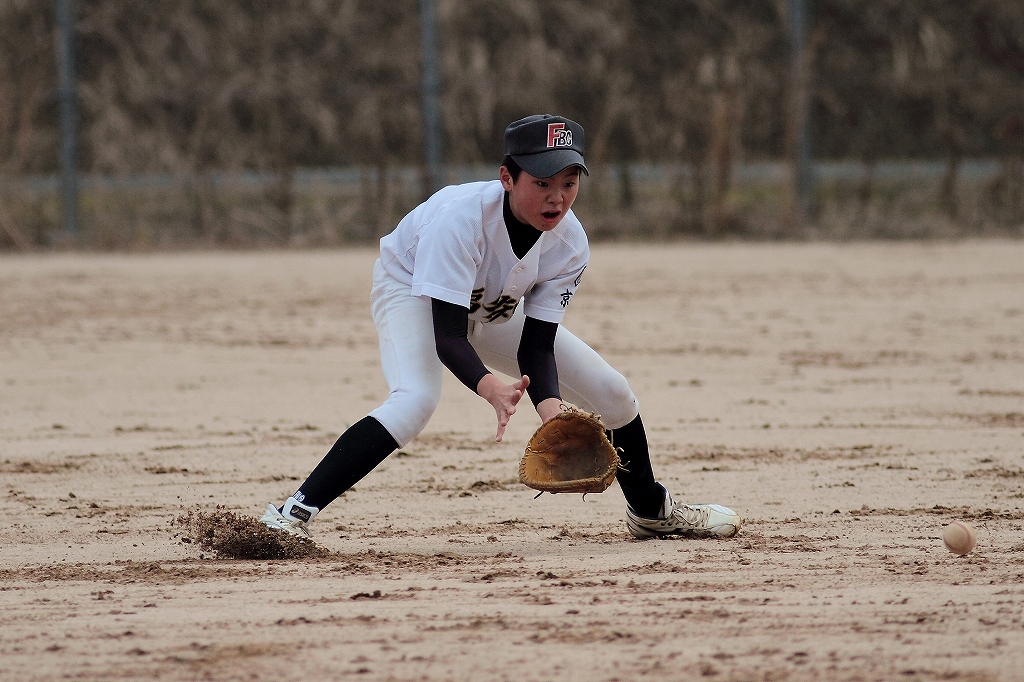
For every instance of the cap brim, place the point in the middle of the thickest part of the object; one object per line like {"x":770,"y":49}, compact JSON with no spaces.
{"x":550,"y":162}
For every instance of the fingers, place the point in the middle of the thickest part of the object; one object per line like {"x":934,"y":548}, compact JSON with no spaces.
{"x":505,"y":406}
{"x":502,"y":423}
{"x":519,"y":390}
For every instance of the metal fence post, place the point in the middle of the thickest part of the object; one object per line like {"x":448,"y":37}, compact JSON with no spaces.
{"x":431,"y":86}
{"x":801,"y":151}
{"x":67,"y":97}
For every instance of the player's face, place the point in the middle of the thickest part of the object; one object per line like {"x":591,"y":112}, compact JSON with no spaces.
{"x":541,"y":202}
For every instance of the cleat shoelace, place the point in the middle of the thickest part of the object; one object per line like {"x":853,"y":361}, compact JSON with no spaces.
{"x":291,"y":526}
{"x":695,"y":518}
{"x":296,"y":526}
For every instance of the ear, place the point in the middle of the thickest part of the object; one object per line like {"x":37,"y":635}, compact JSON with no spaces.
{"x":506,"y":179}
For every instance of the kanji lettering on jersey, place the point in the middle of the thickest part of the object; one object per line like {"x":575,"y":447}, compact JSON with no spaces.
{"x":566,"y":295}
{"x":474,"y":300}
{"x":503,"y":306}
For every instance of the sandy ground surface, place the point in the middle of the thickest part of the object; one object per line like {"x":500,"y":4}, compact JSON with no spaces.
{"x":848,"y":400}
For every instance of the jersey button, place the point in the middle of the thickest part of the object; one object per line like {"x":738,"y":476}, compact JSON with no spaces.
{"x":514,"y":288}
{"x":519,"y":269}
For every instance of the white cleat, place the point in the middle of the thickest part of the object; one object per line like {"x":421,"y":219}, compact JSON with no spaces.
{"x":687,"y":520}
{"x":293,"y":518}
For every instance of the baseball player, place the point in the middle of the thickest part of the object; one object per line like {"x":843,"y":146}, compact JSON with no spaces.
{"x":478,"y":277}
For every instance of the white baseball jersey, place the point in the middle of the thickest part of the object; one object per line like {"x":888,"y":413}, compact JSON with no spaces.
{"x":455,"y":247}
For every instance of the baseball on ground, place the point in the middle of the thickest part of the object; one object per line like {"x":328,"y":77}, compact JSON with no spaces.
{"x":959,"y":537}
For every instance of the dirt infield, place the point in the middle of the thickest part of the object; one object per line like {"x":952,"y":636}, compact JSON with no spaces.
{"x":849,"y":401}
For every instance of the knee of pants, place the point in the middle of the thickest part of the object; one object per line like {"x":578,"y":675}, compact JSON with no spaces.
{"x":405,"y":413}
{"x":618,"y":406}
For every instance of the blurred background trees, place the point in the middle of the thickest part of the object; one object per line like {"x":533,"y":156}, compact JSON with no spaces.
{"x":243,"y":122}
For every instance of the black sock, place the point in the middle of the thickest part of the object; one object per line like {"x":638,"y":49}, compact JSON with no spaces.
{"x":643,"y":494}
{"x":356,"y":453}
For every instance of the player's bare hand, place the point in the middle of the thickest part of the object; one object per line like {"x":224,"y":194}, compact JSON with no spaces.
{"x":503,"y":398}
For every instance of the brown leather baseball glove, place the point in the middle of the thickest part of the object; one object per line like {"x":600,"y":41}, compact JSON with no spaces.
{"x":570,"y":453}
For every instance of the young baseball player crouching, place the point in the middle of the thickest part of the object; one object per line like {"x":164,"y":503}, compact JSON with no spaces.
{"x":479,"y":276}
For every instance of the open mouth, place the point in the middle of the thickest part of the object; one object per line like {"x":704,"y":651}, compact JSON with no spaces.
{"x":551,"y":215}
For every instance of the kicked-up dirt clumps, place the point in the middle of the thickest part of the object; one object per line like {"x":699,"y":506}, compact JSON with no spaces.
{"x":230,"y":536}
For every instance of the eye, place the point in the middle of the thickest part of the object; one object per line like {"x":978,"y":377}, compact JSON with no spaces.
{"x":541,"y":183}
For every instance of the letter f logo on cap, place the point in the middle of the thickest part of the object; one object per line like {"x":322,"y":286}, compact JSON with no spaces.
{"x":544,"y":145}
{"x":558,"y":136}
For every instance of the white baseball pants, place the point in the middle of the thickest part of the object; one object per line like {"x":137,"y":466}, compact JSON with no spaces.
{"x":413,"y":372}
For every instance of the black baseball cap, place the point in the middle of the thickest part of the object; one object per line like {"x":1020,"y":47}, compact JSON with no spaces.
{"x":545,"y":145}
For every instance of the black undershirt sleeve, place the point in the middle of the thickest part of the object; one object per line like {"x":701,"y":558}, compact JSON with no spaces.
{"x":536,"y":350}
{"x":537,"y":359}
{"x":451,"y":323}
